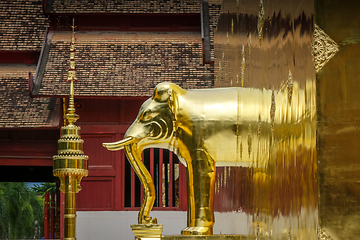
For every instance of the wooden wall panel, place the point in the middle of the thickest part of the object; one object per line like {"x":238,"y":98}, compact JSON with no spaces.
{"x":99,"y":156}
{"x":103,"y":164}
{"x":131,"y":109}
{"x":164,"y":22}
{"x":20,"y":146}
{"x":5,"y":136}
{"x":108,"y":111}
{"x":39,"y":136}
{"x":98,"y":111}
{"x":97,"y":194}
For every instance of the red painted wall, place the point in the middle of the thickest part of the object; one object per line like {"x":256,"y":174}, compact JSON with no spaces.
{"x":103,"y":120}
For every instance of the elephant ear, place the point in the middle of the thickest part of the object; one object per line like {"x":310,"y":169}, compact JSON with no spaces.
{"x":168,"y":92}
{"x":162,"y":92}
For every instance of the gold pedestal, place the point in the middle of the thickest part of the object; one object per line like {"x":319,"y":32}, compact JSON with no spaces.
{"x":147,"y":231}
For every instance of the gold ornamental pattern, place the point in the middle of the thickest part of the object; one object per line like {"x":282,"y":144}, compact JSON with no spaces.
{"x":323,"y":48}
{"x":71,"y":171}
{"x":322,"y":235}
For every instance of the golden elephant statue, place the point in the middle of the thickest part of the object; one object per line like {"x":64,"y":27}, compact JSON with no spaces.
{"x":208,"y":128}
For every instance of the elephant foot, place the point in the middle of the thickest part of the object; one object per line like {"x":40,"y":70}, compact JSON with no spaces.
{"x":197,"y":231}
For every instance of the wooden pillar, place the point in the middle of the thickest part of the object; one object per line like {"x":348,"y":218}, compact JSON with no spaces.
{"x":52,"y":216}
{"x":171,"y":180}
{"x":46,"y":216}
{"x":160,"y":178}
{"x":57,"y":210}
{"x":182,"y":188}
{"x":62,"y":211}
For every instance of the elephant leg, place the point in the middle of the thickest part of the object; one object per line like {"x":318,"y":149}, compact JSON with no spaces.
{"x":200,"y":187}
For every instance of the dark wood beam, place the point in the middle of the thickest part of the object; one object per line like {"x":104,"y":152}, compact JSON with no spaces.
{"x":205,"y":32}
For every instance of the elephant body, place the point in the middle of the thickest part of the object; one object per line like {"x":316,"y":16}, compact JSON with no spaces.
{"x":217,"y":121}
{"x":208,"y":128}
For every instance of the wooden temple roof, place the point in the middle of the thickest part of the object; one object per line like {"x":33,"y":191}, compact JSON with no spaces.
{"x":117,"y":57}
{"x":17,"y":108}
{"x":123,"y":64}
{"x":22,"y":30}
{"x":111,"y":63}
{"x":123,"y":6}
{"x":22,"y":25}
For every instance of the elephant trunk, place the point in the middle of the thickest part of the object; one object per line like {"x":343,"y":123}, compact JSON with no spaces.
{"x":133,"y":153}
{"x":119,"y":144}
{"x":134,"y":157}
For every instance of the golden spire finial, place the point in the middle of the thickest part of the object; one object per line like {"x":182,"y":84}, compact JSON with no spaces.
{"x":72,"y":71}
{"x":71,"y":116}
{"x":70,"y":164}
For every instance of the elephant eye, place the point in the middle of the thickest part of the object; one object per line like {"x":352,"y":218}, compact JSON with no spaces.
{"x":148,"y":115}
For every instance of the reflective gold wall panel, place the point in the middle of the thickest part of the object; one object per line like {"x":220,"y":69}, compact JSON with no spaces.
{"x":266,"y":45}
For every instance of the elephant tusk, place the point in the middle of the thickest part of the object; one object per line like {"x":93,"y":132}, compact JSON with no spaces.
{"x":119,"y":144}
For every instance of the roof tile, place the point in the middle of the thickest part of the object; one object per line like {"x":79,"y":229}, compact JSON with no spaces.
{"x":22,"y":25}
{"x":126,"y":64}
{"x":125,"y":6}
{"x":17,"y":108}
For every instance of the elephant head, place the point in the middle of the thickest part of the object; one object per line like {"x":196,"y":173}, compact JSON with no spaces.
{"x":153,"y":127}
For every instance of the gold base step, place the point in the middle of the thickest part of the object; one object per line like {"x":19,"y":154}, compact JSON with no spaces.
{"x":147,"y":231}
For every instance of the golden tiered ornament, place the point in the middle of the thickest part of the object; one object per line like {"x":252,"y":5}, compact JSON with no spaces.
{"x":70,"y":165}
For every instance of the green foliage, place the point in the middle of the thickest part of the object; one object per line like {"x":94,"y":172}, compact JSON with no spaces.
{"x":21,"y":211}
{"x":44,"y":187}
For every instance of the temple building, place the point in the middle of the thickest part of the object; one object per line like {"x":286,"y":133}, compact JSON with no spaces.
{"x":123,"y":50}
